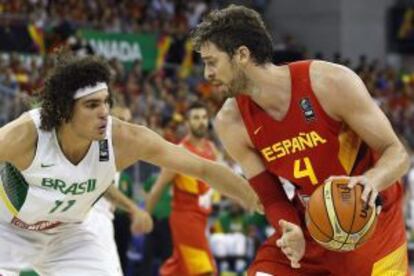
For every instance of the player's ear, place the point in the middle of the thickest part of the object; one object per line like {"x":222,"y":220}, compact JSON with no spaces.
{"x":243,"y":55}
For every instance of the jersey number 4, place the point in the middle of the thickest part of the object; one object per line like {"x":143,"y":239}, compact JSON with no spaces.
{"x":58,"y":203}
{"x":305,"y":170}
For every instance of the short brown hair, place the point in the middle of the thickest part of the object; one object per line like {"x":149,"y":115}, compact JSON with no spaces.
{"x":233,"y":27}
{"x":196,"y":105}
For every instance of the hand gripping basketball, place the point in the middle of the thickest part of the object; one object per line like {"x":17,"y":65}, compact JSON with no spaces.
{"x":369,"y":194}
{"x":337,"y":217}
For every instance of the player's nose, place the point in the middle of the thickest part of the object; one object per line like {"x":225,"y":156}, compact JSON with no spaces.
{"x":208,"y":74}
{"x":104,"y":111}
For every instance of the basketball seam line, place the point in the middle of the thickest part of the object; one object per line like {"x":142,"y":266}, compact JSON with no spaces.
{"x":353,"y":215}
{"x":323,"y":233}
{"x":320,"y":230}
{"x":339,"y":221}
{"x":332,"y":238}
{"x":327,"y":213}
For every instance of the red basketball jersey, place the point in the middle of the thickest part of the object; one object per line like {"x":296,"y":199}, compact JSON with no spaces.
{"x":187,"y":191}
{"x":306,"y":146}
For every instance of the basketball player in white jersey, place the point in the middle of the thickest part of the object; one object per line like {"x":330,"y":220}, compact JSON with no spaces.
{"x":59,"y":159}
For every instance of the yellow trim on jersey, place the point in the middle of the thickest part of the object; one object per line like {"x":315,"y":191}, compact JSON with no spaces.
{"x":187,"y":183}
{"x":349,"y":144}
{"x":394,"y":264}
{"x":5,"y":199}
{"x":196,"y":260}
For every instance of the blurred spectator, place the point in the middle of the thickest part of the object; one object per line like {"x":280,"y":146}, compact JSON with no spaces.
{"x":79,"y":46}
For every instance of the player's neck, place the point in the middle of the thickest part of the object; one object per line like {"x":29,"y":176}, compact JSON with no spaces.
{"x":196,"y":141}
{"x":72,"y":145}
{"x":270,"y":88}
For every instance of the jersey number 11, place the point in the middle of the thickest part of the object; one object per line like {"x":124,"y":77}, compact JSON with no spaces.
{"x":66,"y":206}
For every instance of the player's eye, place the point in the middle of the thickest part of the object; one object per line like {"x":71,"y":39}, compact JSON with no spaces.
{"x":211,"y":63}
{"x":92,"y":105}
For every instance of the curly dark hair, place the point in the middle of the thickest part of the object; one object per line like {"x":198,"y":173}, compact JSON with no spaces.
{"x":232,"y":27}
{"x":69,"y":74}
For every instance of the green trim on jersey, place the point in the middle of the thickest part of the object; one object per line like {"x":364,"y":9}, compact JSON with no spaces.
{"x":14,"y":185}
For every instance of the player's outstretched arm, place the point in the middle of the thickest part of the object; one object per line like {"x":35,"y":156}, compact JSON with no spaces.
{"x":133,"y":143}
{"x":345,"y":98}
{"x":157,"y":189}
{"x":141,"y":221}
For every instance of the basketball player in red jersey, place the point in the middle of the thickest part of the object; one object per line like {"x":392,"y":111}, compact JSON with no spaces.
{"x":304,"y":122}
{"x":190,"y":204}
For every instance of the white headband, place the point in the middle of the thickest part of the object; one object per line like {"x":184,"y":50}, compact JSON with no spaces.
{"x":82,"y":92}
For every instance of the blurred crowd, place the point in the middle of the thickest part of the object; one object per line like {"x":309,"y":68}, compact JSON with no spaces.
{"x":159,"y":98}
{"x":163,"y":16}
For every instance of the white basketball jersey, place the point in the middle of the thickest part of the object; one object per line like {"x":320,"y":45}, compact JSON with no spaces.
{"x":53,"y":190}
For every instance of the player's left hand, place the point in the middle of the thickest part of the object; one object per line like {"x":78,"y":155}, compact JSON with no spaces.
{"x":292,"y":243}
{"x":369,"y":193}
{"x":141,"y":222}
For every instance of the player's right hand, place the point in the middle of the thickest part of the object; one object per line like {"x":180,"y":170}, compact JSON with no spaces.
{"x":370,"y":193}
{"x":292,"y":242}
{"x":141,"y":222}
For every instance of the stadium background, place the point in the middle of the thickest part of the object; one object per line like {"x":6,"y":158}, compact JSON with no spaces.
{"x":157,"y":75}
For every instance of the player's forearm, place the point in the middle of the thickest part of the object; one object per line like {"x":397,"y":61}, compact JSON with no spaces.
{"x":151,"y":201}
{"x":392,"y":165}
{"x":226,"y":182}
{"x":120,"y":200}
{"x":153,"y":198}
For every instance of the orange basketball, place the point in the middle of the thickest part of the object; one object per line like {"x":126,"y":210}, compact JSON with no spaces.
{"x":337,"y":218}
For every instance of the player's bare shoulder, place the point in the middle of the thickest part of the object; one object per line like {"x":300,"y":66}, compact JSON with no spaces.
{"x":229,"y":123}
{"x":122,"y":133}
{"x":119,"y":132}
{"x":125,"y":132}
{"x":324,"y":73}
{"x":18,"y":141}
{"x":332,"y":84}
{"x":228,"y":117}
{"x":129,"y":142}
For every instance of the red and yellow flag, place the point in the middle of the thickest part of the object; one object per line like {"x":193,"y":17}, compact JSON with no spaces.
{"x":37,"y":36}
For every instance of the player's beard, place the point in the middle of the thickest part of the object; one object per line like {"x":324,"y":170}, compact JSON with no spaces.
{"x":199,"y":132}
{"x":238,"y":84}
